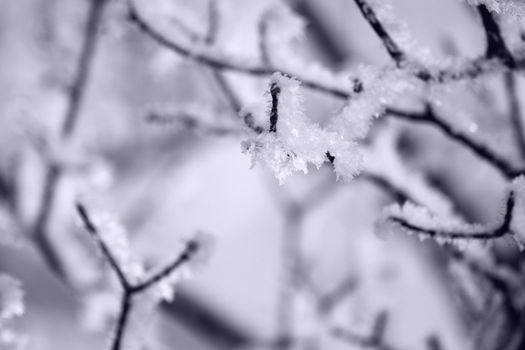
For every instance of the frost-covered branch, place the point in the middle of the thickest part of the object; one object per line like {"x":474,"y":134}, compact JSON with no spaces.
{"x":131,"y":279}
{"x":419,"y":221}
{"x":390,"y":45}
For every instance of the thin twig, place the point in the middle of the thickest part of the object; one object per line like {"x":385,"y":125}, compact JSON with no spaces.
{"x":93,"y":231}
{"x":429,"y":116}
{"x":189,"y":251}
{"x":391,"y":47}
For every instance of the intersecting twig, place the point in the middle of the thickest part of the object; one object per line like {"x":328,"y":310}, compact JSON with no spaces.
{"x":131,"y":289}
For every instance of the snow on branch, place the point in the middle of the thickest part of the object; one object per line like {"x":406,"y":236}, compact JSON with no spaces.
{"x":133,"y":279}
{"x":413,"y":219}
{"x":291,"y":141}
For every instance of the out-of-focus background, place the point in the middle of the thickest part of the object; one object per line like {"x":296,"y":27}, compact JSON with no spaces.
{"x":166,"y":181}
